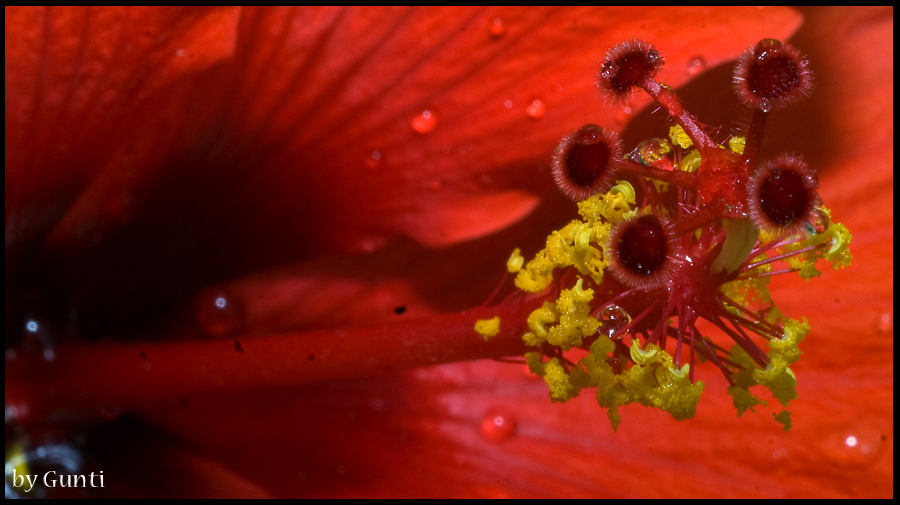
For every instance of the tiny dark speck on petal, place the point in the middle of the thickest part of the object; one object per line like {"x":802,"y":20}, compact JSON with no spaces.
{"x":143,"y":355}
{"x":399,"y":310}
{"x":237,"y":345}
{"x":312,"y":357}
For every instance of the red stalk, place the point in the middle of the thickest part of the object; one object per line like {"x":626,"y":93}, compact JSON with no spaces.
{"x":87,"y":380}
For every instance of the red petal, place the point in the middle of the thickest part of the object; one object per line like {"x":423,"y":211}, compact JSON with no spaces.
{"x":74,"y":80}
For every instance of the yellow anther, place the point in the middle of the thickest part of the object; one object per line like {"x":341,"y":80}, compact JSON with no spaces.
{"x":544,"y":315}
{"x":837,"y":238}
{"x":488,"y":328}
{"x":580,"y":294}
{"x":583,"y":236}
{"x":771,"y":371}
{"x":515,"y":261}
{"x":740,"y":238}
{"x":690,"y":162}
{"x":679,"y":374}
{"x":625,"y":189}
{"x":680,"y":137}
{"x":736,"y":144}
{"x":642,"y":357}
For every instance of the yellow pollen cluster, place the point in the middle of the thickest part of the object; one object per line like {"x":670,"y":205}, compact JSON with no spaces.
{"x":488,"y":328}
{"x":574,"y":244}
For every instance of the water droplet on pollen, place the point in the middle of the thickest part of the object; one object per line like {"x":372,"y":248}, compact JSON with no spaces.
{"x":612,"y":318}
{"x":696,"y":65}
{"x":373,"y":162}
{"x":497,"y":28}
{"x":217,"y":313}
{"x":424,"y":122}
{"x":818,"y":222}
{"x":536,"y":109}
{"x":498,"y":425}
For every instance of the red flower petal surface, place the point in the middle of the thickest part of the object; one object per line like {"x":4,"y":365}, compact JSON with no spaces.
{"x":293,"y":149}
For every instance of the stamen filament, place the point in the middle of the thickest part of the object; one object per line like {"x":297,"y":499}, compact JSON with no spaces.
{"x":87,"y":378}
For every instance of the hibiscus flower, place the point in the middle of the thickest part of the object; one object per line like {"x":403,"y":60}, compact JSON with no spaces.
{"x":204,"y":188}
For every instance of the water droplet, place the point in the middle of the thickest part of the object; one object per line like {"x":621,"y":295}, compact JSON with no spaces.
{"x":497,"y":28}
{"x":886,"y":323}
{"x":624,"y":115}
{"x":609,"y":70}
{"x":424,"y":122}
{"x":860,"y":445}
{"x":218,"y":313}
{"x":696,"y":65}
{"x":536,"y":109}
{"x":818,"y":222}
{"x":765,"y":106}
{"x":654,"y":153}
{"x":766,"y":47}
{"x":31,"y":326}
{"x":179,"y":52}
{"x":498,"y":425}
{"x":370,"y":244}
{"x":508,"y":104}
{"x":373,"y":162}
{"x":612,"y":318}
{"x":435,"y":184}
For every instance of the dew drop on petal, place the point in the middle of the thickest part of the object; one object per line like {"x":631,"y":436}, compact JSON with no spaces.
{"x":612,"y":318}
{"x":373,"y":162}
{"x":853,"y":446}
{"x":624,"y":115}
{"x":536,"y":109}
{"x":424,"y":122}
{"x":218,"y":313}
{"x":696,"y":65}
{"x":498,"y":425}
{"x":886,"y":323}
{"x":497,"y":28}
{"x":508,"y":104}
